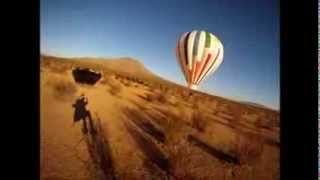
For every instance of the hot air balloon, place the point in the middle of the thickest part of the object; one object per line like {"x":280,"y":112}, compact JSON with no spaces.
{"x":199,"y":54}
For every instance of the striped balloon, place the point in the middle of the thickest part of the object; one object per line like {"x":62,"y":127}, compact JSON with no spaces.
{"x":199,"y":54}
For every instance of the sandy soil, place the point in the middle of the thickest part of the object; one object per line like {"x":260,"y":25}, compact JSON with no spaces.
{"x":147,"y":132}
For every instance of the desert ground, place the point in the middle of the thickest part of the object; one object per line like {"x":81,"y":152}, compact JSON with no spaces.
{"x":149,"y":128}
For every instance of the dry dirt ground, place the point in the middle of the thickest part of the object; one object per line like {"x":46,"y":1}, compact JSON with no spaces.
{"x":148,"y":130}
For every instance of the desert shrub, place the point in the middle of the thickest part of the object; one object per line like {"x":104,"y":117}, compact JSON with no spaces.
{"x":185,"y":95}
{"x":105,"y":80}
{"x":183,"y":111}
{"x":273,"y":120}
{"x":181,"y":156}
{"x":264,"y":123}
{"x":58,"y":68}
{"x":198,"y":120}
{"x":241,"y":172}
{"x":149,"y":97}
{"x":178,"y":160}
{"x":133,"y":79}
{"x":223,"y":107}
{"x":247,"y":148}
{"x":172,"y":100}
{"x":44,"y":62}
{"x":135,"y":85}
{"x":139,"y":81}
{"x":63,"y":89}
{"x":163,"y":88}
{"x":157,"y":96}
{"x":172,"y":90}
{"x":115,"y":88}
{"x":237,"y":112}
{"x":148,"y":84}
{"x":127,"y":83}
{"x":276,"y":121}
{"x":145,"y":83}
{"x":161,"y":97}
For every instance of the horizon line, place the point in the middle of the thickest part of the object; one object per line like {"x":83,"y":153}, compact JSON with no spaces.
{"x":238,"y":99}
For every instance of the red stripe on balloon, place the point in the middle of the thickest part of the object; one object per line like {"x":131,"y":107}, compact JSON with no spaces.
{"x":202,"y":66}
{"x":194,"y":63}
{"x":198,"y":70}
{"x":210,"y":66}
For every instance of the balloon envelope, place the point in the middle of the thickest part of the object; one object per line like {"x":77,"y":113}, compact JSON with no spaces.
{"x":199,"y":54}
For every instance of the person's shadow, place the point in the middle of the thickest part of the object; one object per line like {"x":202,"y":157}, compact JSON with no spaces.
{"x":82,"y":113}
{"x":96,"y":142}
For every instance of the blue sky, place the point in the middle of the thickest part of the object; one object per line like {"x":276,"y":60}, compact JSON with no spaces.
{"x":148,"y":31}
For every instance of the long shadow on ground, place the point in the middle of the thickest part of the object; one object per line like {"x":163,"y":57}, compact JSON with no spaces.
{"x":145,"y":124}
{"x":212,"y":150}
{"x":99,"y":151}
{"x":147,"y":146}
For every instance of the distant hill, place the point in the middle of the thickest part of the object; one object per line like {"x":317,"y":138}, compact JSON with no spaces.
{"x":254,"y":104}
{"x":259,"y":106}
{"x":124,"y":66}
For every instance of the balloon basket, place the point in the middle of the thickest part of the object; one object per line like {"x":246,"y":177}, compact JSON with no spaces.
{"x":193,"y":86}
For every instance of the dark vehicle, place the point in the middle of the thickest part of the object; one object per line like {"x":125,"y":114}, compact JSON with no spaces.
{"x":86,"y":76}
